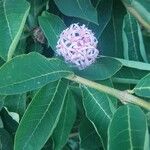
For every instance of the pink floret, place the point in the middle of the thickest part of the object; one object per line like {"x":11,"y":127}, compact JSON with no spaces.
{"x":77,"y":44}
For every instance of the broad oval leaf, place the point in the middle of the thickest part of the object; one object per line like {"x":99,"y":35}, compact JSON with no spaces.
{"x":65,"y":123}
{"x":13,"y":15}
{"x":98,"y":108}
{"x":102,"y":69}
{"x":52,"y":26}
{"x":28,"y":72}
{"x":41,"y":116}
{"x":143,"y":87}
{"x":128,"y":129}
{"x":132,"y":40}
{"x":89,"y":139}
{"x":78,"y":8}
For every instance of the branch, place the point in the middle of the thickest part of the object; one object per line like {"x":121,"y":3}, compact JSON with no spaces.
{"x":123,"y":96}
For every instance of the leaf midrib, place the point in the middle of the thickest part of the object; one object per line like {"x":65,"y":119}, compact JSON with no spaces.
{"x":64,"y":120}
{"x":40,"y":120}
{"x":33,"y":78}
{"x":129,"y":128}
{"x":133,"y":38}
{"x":98,"y":103}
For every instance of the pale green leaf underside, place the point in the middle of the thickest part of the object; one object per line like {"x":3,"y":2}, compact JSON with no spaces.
{"x":128,"y":129}
{"x":41,"y":117}
{"x":13,"y":14}
{"x":28,"y":72}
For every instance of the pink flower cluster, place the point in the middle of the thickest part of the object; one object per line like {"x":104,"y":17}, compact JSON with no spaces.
{"x":77,"y":44}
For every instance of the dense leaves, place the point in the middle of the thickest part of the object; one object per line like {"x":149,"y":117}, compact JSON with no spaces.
{"x":11,"y":25}
{"x":52,"y":26}
{"x":142,"y":88}
{"x":128,"y":129}
{"x":20,"y":79}
{"x":132,"y":40}
{"x":47,"y":103}
{"x":41,"y":116}
{"x":67,"y":119}
{"x":88,"y":136}
{"x":6,"y":140}
{"x":79,"y":8}
{"x":98,"y":108}
{"x":102,"y":67}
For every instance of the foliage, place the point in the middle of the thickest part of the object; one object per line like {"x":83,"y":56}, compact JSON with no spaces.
{"x":47,"y":103}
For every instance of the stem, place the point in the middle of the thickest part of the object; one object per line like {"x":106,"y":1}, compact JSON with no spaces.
{"x":132,"y":9}
{"x":123,"y":96}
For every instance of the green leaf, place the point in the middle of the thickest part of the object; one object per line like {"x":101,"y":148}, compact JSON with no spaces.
{"x":9,"y":122}
{"x":128,"y":129}
{"x":143,"y":87}
{"x":98,"y":108}
{"x":134,"y":64}
{"x":132,"y":40}
{"x":16,"y":103}
{"x":29,"y":72}
{"x":110,"y":41}
{"x":36,"y":47}
{"x":102,"y":69}
{"x":140,"y":9}
{"x":65,"y":123}
{"x":129,"y":75}
{"x":41,"y":116}
{"x":6,"y":141}
{"x":52,"y":26}
{"x":104,"y":11}
{"x":113,"y":100}
{"x":78,"y":8}
{"x":36,"y":8}
{"x":2,"y":98}
{"x":48,"y":145}
{"x":13,"y":15}
{"x":89,"y":139}
{"x":147,"y":46}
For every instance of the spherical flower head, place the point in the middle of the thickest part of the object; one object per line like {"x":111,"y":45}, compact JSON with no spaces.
{"x":77,"y":44}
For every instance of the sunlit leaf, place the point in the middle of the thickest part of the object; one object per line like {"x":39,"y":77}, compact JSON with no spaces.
{"x":13,"y":15}
{"x":78,"y":8}
{"x":98,"y":108}
{"x":128,"y":129}
{"x":41,"y":116}
{"x":65,"y":123}
{"x":28,"y":72}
